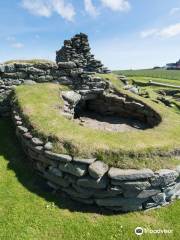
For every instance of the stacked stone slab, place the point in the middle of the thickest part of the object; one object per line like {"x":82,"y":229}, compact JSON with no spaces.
{"x":90,"y":181}
{"x":78,"y":51}
{"x":15,"y":74}
{"x":67,"y":73}
{"x":108,"y":103}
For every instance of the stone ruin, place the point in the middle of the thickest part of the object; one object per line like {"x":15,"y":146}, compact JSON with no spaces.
{"x":86,"y":180}
{"x":77,"y":68}
{"x":78,"y":51}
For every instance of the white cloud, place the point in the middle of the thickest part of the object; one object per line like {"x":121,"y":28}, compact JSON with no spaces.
{"x":38,"y":7}
{"x":149,"y":33}
{"x":174,"y":11}
{"x":46,"y":8}
{"x":66,"y":10}
{"x":117,"y":5}
{"x":90,"y":8}
{"x":17,"y":45}
{"x":167,"y":32}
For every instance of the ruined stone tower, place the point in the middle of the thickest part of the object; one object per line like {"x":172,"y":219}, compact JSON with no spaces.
{"x":78,"y":50}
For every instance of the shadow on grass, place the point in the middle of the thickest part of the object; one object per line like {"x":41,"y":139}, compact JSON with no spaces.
{"x":11,"y":150}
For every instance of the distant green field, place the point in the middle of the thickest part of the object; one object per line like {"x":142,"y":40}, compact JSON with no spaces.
{"x":158,"y":73}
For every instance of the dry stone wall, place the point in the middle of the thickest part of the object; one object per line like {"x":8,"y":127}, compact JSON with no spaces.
{"x":75,"y":66}
{"x":78,"y":50}
{"x":64,"y":73}
{"x":90,"y":181}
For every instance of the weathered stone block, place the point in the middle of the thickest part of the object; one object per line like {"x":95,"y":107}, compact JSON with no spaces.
{"x":164,"y":177}
{"x":71,"y":96}
{"x":98,"y":169}
{"x":29,"y":82}
{"x":48,"y":146}
{"x":66,"y":65}
{"x":159,"y":198}
{"x":55,"y":179}
{"x":84,"y":160}
{"x":147,"y":193}
{"x":134,"y":185}
{"x":58,"y":157}
{"x":170,"y":192}
{"x":92,"y":183}
{"x":36,"y":141}
{"x":76,"y":169}
{"x":22,"y":129}
{"x":55,"y":171}
{"x":129,"y":174}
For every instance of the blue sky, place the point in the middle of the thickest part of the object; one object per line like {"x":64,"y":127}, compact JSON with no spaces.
{"x":124,"y":34}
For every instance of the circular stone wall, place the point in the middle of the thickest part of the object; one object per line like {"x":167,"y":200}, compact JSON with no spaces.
{"x":109,"y":107}
{"x":93,"y":182}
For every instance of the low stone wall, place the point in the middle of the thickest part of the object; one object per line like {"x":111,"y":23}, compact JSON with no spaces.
{"x":108,"y":103}
{"x":67,"y":73}
{"x":91,"y":181}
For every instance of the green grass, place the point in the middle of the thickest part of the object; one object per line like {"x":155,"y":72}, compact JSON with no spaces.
{"x":29,"y":61}
{"x":40,"y":105}
{"x":158,"y":73}
{"x":141,"y":78}
{"x":29,"y":212}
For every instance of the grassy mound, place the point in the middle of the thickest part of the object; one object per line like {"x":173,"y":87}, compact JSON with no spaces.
{"x":29,"y":61}
{"x":40,"y":106}
{"x":29,"y":211}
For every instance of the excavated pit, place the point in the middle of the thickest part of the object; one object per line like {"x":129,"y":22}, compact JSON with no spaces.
{"x":115,"y":114}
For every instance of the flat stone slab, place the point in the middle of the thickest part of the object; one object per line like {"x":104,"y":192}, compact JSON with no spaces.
{"x":48,"y":146}
{"x":76,"y":169}
{"x":27,"y":135}
{"x":129,"y":174}
{"x":37,"y":141}
{"x":172,"y":191}
{"x":29,"y":82}
{"x":92,"y":183}
{"x":134,"y":185}
{"x":71,"y":96}
{"x":58,"y":157}
{"x":22,"y":129}
{"x":164,"y":177}
{"x":84,"y":160}
{"x":98,"y":169}
{"x":66,"y":65}
{"x":148,"y":193}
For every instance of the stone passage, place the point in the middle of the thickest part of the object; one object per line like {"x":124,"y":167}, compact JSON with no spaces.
{"x":78,"y":51}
